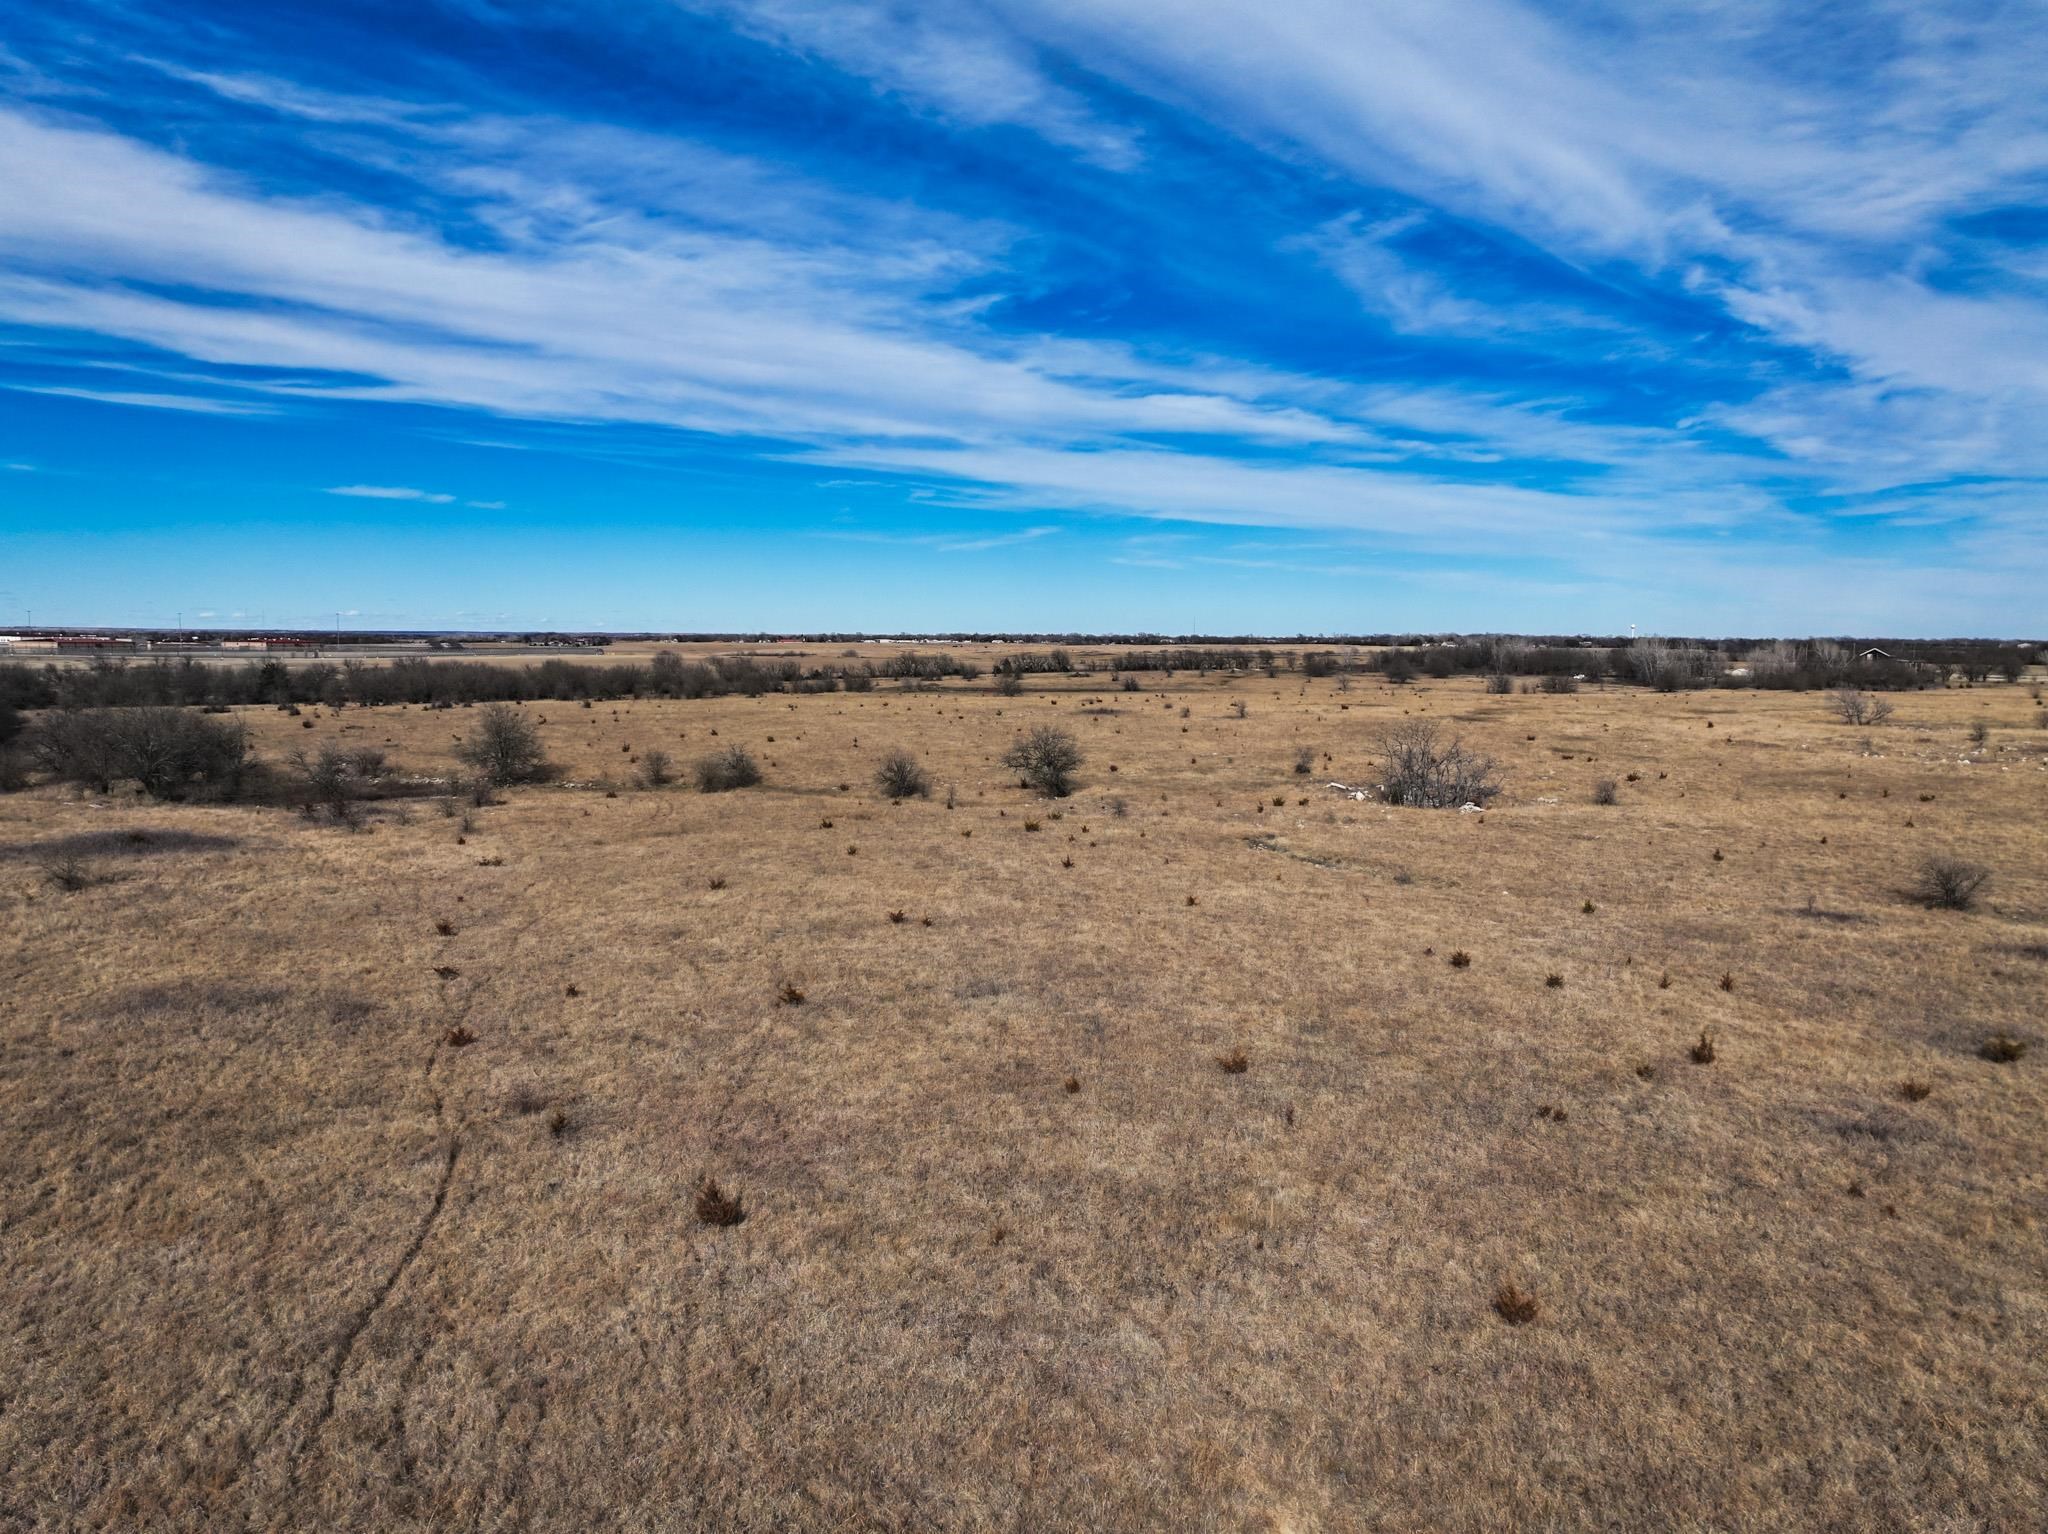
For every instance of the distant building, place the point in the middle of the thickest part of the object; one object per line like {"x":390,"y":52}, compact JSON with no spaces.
{"x":1873,"y":653}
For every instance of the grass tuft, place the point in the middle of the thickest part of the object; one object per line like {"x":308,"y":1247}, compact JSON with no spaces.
{"x":716,"y":1207}
{"x":1515,"y":1307}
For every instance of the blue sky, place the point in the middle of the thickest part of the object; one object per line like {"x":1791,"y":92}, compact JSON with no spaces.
{"x":1718,"y":316}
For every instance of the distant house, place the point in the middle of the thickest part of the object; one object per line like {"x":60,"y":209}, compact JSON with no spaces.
{"x":1874,"y":654}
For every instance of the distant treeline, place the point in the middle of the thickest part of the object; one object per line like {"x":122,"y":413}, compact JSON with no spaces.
{"x":1670,"y":667}
{"x":194,"y":683}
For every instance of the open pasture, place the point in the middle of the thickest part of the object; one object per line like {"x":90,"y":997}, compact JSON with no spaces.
{"x":1209,"y":1149}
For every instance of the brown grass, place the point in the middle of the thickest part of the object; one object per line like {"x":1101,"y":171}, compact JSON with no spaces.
{"x":277,"y":1257}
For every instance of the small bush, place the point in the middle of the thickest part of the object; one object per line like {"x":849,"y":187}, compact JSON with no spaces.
{"x":1500,"y":683}
{"x":1461,"y":960}
{"x":505,"y":748}
{"x":1853,"y":706}
{"x":1046,"y":759}
{"x":1703,"y":1052}
{"x":1304,"y":761}
{"x":1949,"y":883}
{"x":723,"y":771}
{"x":1914,"y":1091}
{"x":2002,"y":1048}
{"x":657,"y":770}
{"x":1072,"y":1084}
{"x":68,"y":874}
{"x":458,"y":1037}
{"x":1606,"y":791}
{"x":1558,"y":681}
{"x":1236,"y":1063}
{"x":1008,"y":684}
{"x":1515,"y":1307}
{"x":717,"y":1207}
{"x":790,"y":995}
{"x":1554,"y":981}
{"x":900,"y":777}
{"x":338,"y":780}
{"x":1425,"y":771}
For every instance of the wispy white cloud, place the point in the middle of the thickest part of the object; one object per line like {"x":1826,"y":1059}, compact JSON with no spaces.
{"x":391,"y":493}
{"x":960,"y":61}
{"x":197,"y":404}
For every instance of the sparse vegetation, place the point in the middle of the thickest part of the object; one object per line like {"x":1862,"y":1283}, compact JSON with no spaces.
{"x":243,"y":1128}
{"x":1949,"y":883}
{"x":1046,"y":759}
{"x":1424,"y":770}
{"x":1854,"y":706}
{"x":505,"y":748}
{"x":723,"y":771}
{"x":900,"y":777}
{"x":716,"y":1207}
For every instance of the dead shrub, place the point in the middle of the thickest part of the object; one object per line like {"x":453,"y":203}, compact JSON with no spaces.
{"x":1949,"y":883}
{"x":1461,"y":960}
{"x":68,"y":874}
{"x":1914,"y":1091}
{"x":1236,"y":1063}
{"x":723,"y":771}
{"x":717,"y":1207}
{"x":458,"y":1037}
{"x":1515,"y":1307}
{"x":526,"y":1099}
{"x":2002,"y":1048}
{"x":1606,"y":791}
{"x":505,"y":748}
{"x":790,"y":995}
{"x":900,"y":777}
{"x":1703,"y":1053}
{"x":657,"y":770}
{"x":1423,"y":770}
{"x":1071,"y":1085}
{"x":1046,"y":759}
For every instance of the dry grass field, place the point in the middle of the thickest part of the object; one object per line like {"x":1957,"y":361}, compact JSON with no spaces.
{"x":352,"y":1177}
